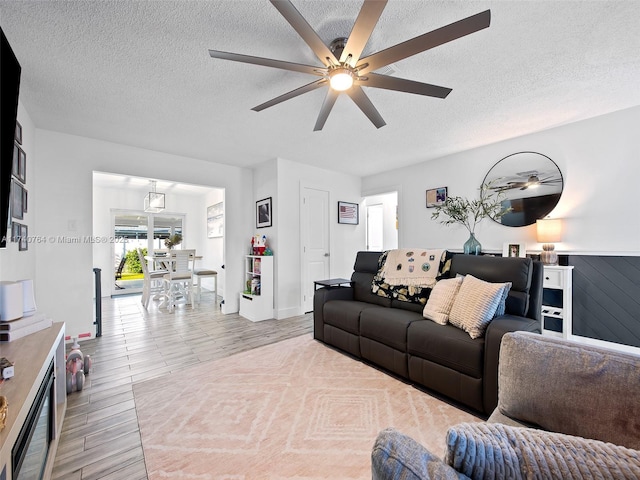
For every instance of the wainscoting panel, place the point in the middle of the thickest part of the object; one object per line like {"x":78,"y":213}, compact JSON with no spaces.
{"x":606,"y":298}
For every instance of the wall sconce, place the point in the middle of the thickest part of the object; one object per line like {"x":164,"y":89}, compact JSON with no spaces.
{"x":549,"y":231}
{"x":154,"y":202}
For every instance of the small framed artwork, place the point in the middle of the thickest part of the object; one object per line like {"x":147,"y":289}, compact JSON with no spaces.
{"x":348,"y":213}
{"x":25,"y":201}
{"x":15,"y":232}
{"x":19,"y":165}
{"x":17,"y":199}
{"x":436,"y":197}
{"x":514,"y":250}
{"x":263,"y":213}
{"x":18,"y":133}
{"x":215,"y":220}
{"x":23,"y":244}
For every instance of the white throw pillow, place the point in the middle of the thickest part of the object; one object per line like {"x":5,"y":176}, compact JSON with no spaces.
{"x":476,"y":304}
{"x":441,"y":300}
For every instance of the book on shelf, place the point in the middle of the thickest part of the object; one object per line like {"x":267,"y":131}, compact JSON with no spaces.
{"x":16,"y":333}
{"x":256,"y":266}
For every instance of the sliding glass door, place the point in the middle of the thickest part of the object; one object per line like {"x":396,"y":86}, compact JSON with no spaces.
{"x":147,"y":231}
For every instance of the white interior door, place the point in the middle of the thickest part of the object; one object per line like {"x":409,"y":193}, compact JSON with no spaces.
{"x":375,"y":224}
{"x":315,"y":242}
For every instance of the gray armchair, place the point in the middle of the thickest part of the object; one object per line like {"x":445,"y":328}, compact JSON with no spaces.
{"x":565,"y":410}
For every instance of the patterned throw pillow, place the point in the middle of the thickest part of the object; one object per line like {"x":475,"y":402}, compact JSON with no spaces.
{"x":441,"y":300}
{"x":476,"y":304}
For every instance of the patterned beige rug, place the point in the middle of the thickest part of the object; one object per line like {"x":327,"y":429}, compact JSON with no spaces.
{"x":292,"y":410}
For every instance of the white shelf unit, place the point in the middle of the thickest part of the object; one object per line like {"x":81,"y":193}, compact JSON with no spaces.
{"x":557,"y":301}
{"x":256,"y":299}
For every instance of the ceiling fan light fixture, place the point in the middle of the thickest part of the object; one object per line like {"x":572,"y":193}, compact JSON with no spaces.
{"x":341,"y":79}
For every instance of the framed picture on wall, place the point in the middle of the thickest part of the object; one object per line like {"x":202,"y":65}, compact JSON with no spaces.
{"x":23,"y":244}
{"x":436,"y":196}
{"x":348,"y":213}
{"x":17,"y":199}
{"x":19,"y":165}
{"x":514,"y":250}
{"x":263,"y":213}
{"x":15,"y":232}
{"x":19,"y":133}
{"x":215,"y":220}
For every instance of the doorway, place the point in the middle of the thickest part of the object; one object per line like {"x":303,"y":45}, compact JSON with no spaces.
{"x":382,"y":221}
{"x":133,"y":230}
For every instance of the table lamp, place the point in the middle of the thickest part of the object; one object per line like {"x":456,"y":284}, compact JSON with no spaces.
{"x":549,"y":230}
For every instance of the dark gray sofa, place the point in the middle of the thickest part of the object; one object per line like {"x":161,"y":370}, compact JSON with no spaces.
{"x":395,"y":336}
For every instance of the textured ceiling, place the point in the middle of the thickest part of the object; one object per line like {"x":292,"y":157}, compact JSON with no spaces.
{"x":139,"y":73}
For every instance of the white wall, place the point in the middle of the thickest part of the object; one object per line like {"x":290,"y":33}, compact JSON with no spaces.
{"x":598,"y":159}
{"x":64,"y":281}
{"x":283,"y":180}
{"x":15,"y":265}
{"x":194,"y":207}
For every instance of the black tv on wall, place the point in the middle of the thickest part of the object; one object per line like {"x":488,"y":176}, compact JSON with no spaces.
{"x":9,"y":89}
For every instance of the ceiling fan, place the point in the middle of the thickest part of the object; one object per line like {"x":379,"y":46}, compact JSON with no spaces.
{"x":529,"y":179}
{"x":344,"y":71}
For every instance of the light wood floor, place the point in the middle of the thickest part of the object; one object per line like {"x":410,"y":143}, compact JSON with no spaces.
{"x":100,"y":436}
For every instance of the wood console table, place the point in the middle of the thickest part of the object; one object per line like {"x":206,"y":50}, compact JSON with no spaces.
{"x":32,"y":355}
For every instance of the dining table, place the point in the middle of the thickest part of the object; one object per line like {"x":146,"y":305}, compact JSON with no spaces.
{"x":164,"y":261}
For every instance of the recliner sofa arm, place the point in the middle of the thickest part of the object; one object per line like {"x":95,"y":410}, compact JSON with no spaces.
{"x":322,"y":296}
{"x":396,"y":456}
{"x":493,"y":338}
{"x":564,"y":386}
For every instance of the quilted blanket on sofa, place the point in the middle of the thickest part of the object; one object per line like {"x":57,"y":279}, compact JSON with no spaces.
{"x":496,"y":451}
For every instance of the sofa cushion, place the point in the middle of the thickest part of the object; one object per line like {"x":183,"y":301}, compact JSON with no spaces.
{"x":476,"y":304}
{"x":361,"y":283}
{"x":593,"y":393}
{"x":494,"y":451}
{"x":441,"y":300}
{"x":518,"y":271}
{"x":398,"y":456}
{"x":448,"y":346}
{"x":345,"y":314}
{"x":388,"y":326}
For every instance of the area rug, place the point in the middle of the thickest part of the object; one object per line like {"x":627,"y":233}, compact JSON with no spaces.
{"x":292,"y":410}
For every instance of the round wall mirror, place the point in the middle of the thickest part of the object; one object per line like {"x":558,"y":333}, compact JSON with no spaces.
{"x":529,"y":183}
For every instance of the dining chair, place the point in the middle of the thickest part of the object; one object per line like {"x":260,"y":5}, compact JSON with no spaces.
{"x":200,"y":273}
{"x":178,"y":281}
{"x":152,"y":282}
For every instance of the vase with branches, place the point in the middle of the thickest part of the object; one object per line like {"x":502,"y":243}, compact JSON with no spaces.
{"x":173,"y":240}
{"x":468,"y":213}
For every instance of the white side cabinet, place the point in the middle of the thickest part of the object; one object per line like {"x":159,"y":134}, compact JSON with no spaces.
{"x":256,"y":299}
{"x":557,"y":301}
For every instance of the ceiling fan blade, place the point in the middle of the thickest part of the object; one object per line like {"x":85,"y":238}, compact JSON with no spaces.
{"x":268,"y":62}
{"x":327,"y":105}
{"x":292,"y":94}
{"x":404,"y":85}
{"x":426,"y":41}
{"x":308,"y":34}
{"x":360,"y":98}
{"x":365,"y":23}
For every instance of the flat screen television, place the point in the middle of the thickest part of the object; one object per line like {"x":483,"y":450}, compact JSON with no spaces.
{"x":9,"y":89}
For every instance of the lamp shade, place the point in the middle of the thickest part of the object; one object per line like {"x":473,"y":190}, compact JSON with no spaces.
{"x":549,"y":230}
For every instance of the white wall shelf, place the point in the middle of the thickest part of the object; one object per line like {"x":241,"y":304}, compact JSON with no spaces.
{"x":256,"y":299}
